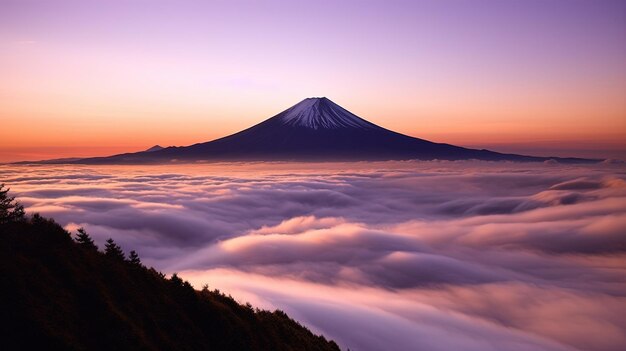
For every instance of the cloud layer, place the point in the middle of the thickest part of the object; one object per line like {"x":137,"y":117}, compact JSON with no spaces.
{"x":391,"y":255}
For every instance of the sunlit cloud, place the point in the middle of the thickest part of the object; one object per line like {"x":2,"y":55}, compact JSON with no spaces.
{"x":395,"y":255}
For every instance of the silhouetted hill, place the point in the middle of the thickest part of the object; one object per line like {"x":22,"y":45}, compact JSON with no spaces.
{"x":315,"y":129}
{"x":58,"y":294}
{"x":154,"y":148}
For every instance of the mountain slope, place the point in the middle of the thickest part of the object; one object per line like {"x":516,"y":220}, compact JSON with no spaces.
{"x":59,"y":295}
{"x":154,"y":148}
{"x":316,"y":129}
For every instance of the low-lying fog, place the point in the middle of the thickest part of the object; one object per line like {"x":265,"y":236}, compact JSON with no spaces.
{"x":378,"y":256}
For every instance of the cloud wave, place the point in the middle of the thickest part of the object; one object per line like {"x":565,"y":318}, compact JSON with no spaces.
{"x":389,"y":255}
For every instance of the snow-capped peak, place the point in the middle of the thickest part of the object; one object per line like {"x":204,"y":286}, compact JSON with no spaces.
{"x":321,"y":113}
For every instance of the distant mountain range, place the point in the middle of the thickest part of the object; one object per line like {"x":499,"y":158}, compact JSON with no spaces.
{"x":315,"y":129}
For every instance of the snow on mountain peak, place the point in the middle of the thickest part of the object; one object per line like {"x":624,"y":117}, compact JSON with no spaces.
{"x":321,"y":113}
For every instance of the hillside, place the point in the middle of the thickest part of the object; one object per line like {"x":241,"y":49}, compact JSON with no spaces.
{"x":58,"y":294}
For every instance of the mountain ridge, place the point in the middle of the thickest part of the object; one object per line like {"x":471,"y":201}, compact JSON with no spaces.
{"x":154,"y":148}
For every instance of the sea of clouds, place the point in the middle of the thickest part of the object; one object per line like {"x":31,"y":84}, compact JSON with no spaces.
{"x":378,"y":256}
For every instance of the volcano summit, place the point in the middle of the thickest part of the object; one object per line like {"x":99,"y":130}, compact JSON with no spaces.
{"x":315,"y":129}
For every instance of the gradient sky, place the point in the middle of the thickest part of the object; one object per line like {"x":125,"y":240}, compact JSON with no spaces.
{"x":81,"y":78}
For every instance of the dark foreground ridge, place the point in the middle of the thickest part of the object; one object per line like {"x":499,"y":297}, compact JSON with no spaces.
{"x":315,"y":129}
{"x":60,"y":293}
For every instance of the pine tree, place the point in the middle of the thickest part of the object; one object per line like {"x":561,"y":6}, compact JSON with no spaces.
{"x":6,"y":202}
{"x":133,"y":258}
{"x":10,"y":210}
{"x":113,"y":250}
{"x":85,"y":240}
{"x":176,"y":279}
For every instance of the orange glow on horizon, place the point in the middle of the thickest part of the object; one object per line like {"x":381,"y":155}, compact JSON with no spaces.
{"x":64,"y":130}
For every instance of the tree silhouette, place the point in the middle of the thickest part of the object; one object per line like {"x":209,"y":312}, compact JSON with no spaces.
{"x":133,"y":258}
{"x":85,"y":240}
{"x":113,"y":250}
{"x":10,"y":210}
{"x":176,"y":279}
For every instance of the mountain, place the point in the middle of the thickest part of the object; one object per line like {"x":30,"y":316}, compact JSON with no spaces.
{"x":316,"y":129}
{"x":154,"y":148}
{"x":58,"y":293}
